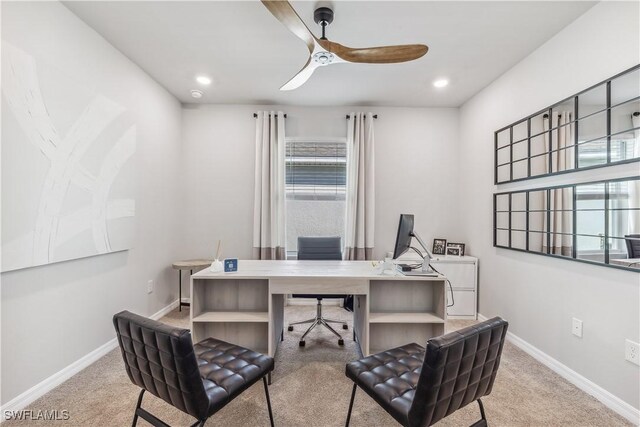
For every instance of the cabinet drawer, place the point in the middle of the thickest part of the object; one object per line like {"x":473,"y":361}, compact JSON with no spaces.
{"x":465,"y":303}
{"x":460,"y":275}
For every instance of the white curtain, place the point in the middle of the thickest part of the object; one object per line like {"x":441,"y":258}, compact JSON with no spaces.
{"x":360,"y":188}
{"x":561,"y":199}
{"x":269,"y":190}
{"x":634,"y":186}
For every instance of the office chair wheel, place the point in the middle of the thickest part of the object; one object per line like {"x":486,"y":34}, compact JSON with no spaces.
{"x":301,"y":343}
{"x":340,"y":342}
{"x":345,"y":326}
{"x":290,"y":328}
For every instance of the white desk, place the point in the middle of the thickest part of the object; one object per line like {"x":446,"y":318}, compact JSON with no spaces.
{"x":247,"y":307}
{"x":627,"y":262}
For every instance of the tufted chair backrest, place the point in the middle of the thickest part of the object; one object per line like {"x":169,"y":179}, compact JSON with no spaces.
{"x":459,"y":368}
{"x":160,"y":359}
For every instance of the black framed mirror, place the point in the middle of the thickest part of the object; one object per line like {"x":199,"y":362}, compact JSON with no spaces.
{"x":597,"y":127}
{"x":594,"y":222}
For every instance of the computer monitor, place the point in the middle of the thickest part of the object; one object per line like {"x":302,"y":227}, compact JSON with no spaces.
{"x":405,"y":234}
{"x":403,"y":243}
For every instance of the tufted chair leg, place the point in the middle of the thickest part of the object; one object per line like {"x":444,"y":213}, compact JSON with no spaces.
{"x":266,"y":392}
{"x":135,"y":414}
{"x":353,"y":396}
{"x":482,"y":422}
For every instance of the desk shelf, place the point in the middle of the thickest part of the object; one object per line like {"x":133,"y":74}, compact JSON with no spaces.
{"x":233,"y":316}
{"x":403,"y":312}
{"x":231,"y":309}
{"x":405,"y":318}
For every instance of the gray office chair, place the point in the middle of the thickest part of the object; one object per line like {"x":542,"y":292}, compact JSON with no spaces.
{"x":633,"y":245}
{"x":319,"y":248}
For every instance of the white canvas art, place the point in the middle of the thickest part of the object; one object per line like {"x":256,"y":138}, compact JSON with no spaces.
{"x":67,"y":170}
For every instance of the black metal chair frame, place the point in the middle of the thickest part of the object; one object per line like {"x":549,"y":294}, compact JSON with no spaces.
{"x":482,"y":422}
{"x":157,"y":422}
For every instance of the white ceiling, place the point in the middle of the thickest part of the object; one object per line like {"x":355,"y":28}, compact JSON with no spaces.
{"x":249,"y":54}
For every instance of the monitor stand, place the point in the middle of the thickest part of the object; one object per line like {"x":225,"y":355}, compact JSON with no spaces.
{"x":426,"y":269}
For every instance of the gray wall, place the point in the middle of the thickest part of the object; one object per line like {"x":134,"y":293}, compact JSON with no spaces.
{"x":539,"y":295}
{"x":55,"y":314}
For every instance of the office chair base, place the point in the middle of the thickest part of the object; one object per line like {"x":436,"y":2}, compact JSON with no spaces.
{"x":324,"y":323}
{"x":319,"y":320}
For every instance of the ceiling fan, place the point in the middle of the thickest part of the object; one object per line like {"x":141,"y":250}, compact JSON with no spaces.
{"x":323,"y":52}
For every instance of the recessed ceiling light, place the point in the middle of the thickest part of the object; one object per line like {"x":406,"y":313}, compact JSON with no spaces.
{"x":197,"y":94}
{"x":203,"y":80}
{"x":441,"y":83}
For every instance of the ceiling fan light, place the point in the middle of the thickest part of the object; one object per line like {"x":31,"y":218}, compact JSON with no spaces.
{"x":441,"y":83}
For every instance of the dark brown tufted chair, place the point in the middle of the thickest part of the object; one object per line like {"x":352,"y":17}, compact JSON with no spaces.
{"x":198,"y":379}
{"x":419,"y":387}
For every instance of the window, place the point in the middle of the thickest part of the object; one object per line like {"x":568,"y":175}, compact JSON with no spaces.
{"x":315,"y":179}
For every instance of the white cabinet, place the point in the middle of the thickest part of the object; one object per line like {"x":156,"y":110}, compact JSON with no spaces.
{"x":462,"y":272}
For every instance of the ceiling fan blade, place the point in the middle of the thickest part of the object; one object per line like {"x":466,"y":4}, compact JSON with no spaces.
{"x":376,"y":55}
{"x":285,"y":13}
{"x":302,"y":76}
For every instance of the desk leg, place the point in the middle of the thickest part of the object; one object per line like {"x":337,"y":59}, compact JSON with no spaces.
{"x":360,"y":323}
{"x":180,"y":303}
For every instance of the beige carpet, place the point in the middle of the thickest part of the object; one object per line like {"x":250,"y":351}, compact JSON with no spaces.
{"x":310,"y":389}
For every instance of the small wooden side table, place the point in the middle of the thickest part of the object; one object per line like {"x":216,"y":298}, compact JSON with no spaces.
{"x":190,"y":264}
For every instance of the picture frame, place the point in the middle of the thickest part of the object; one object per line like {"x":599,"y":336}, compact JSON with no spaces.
{"x":460,"y":246}
{"x":453,"y":251}
{"x":439,"y":246}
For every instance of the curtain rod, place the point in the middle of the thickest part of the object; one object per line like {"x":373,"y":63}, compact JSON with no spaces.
{"x":546,"y":116}
{"x":375,"y":116}
{"x":255,"y":115}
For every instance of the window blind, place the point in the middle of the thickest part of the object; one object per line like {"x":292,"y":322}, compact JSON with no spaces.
{"x":316,"y":170}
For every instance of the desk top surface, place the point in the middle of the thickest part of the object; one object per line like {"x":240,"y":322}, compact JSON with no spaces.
{"x":252,"y":269}
{"x":629,"y":262}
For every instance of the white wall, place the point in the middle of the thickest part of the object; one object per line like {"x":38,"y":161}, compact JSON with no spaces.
{"x":416,"y":171}
{"x":540,"y":295}
{"x":55,"y":314}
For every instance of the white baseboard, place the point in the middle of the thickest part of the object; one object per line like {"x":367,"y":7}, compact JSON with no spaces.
{"x":24,"y":399}
{"x":608,"y":399}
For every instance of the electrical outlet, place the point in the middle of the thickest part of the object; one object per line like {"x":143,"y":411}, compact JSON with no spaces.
{"x":150,"y":286}
{"x":632,"y":352}
{"x":576,"y":328}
